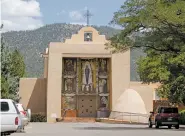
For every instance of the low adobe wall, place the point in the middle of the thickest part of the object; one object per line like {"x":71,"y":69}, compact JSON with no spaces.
{"x":32,"y":92}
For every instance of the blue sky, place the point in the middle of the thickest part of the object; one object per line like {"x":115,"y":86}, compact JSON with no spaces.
{"x":56,"y":11}
{"x":32,"y":14}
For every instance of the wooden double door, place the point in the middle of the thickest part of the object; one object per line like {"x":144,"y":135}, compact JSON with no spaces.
{"x":86,"y":106}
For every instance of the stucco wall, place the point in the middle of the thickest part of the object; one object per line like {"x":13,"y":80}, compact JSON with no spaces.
{"x":54,"y":86}
{"x":130,"y":103}
{"x":120,"y":74}
{"x":137,"y":99}
{"x":79,"y":38}
{"x":74,"y":47}
{"x":146,"y":92}
{"x":33,"y":94}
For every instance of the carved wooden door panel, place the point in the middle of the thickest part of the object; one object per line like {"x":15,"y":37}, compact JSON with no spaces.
{"x":87,"y":106}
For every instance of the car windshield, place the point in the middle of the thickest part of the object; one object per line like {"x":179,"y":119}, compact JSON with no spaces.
{"x":169,"y":110}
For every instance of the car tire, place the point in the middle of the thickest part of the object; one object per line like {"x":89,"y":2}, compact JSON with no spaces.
{"x":170,"y":126}
{"x":177,"y":127}
{"x":21,"y":129}
{"x":149,"y":124}
{"x":156,"y":124}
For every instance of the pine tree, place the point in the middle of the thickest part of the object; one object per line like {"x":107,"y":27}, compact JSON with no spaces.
{"x":12,"y":69}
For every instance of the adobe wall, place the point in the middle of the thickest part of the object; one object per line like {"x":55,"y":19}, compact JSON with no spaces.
{"x":146,"y":92}
{"x":33,"y":94}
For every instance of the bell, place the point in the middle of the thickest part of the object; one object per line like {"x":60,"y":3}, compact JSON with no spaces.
{"x":88,"y":37}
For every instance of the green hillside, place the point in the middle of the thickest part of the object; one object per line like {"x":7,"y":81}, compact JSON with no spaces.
{"x":32,"y":43}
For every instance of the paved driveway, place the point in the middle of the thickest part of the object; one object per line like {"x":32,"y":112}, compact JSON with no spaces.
{"x":95,"y":129}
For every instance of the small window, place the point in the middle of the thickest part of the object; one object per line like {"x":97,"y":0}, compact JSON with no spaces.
{"x":88,"y":36}
{"x":4,"y":106}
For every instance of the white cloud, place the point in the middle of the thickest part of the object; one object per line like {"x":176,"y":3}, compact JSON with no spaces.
{"x":21,"y":14}
{"x":76,"y":15}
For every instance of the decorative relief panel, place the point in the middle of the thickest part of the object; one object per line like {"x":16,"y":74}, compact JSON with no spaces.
{"x":85,"y":76}
{"x":97,"y":70}
{"x":69,"y":85}
{"x":88,"y":76}
{"x":103,"y":86}
{"x":103,"y":72}
{"x":104,"y":102}
{"x":69,"y":102}
{"x":103,"y":76}
{"x":69,"y":68}
{"x":69,"y":75}
{"x":78,"y":79}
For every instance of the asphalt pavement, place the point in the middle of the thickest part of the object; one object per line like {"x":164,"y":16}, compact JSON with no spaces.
{"x":96,"y":129}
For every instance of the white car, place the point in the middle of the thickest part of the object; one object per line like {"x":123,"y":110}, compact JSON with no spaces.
{"x":10,"y":117}
{"x":25,"y":114}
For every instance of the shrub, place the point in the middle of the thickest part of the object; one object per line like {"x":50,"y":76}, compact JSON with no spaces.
{"x":182,"y":117}
{"x":38,"y":118}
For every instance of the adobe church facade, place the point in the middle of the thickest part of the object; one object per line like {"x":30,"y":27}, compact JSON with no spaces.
{"x":82,"y":77}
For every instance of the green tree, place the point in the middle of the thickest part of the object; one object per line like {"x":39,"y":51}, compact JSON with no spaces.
{"x":4,"y":87}
{"x":157,"y":27}
{"x":17,"y":64}
{"x":17,"y":70}
{"x":12,"y":69}
{"x":5,"y":68}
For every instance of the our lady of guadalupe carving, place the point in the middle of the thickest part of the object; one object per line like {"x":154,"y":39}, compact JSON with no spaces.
{"x":87,"y":77}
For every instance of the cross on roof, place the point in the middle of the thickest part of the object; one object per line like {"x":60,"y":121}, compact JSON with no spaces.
{"x":88,"y":15}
